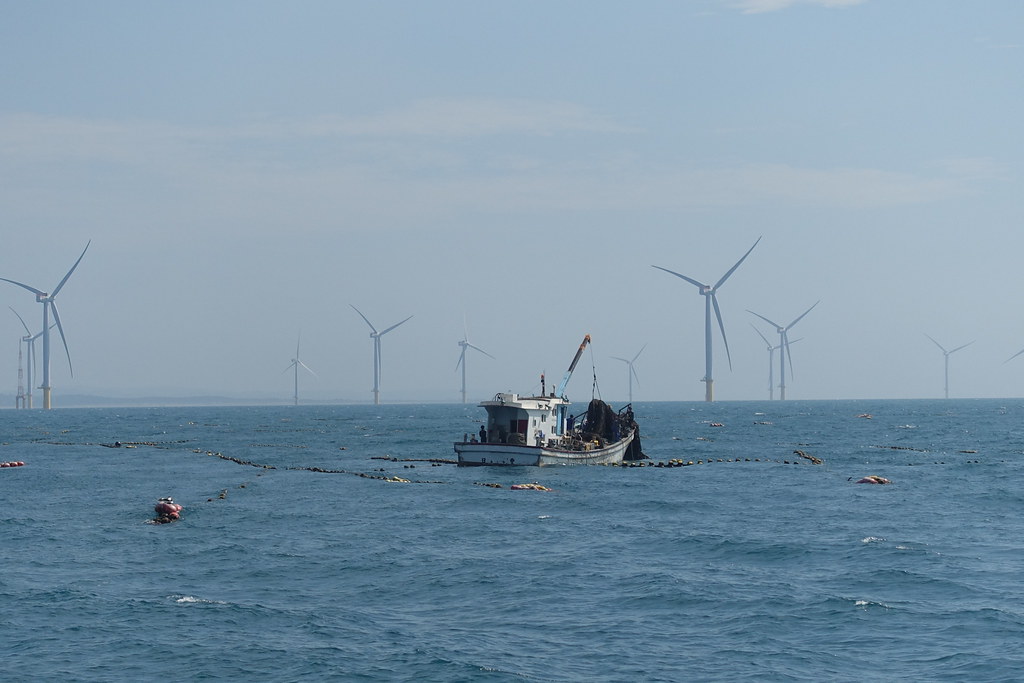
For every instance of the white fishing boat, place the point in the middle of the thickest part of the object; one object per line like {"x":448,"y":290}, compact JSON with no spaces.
{"x":540,"y":431}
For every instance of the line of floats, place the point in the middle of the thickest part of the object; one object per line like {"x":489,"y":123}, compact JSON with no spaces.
{"x":169,"y":511}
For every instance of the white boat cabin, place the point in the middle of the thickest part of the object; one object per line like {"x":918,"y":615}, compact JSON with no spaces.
{"x":526,"y":421}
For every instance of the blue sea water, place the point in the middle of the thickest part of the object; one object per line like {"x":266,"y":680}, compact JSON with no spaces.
{"x":753,"y":565}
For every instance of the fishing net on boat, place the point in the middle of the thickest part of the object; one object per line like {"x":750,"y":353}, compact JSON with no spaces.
{"x":634,"y":451}
{"x":604,"y":425}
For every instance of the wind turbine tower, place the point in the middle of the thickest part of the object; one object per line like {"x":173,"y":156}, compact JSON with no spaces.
{"x":771,"y":363}
{"x":30,"y":358}
{"x":23,"y":400}
{"x":784,"y":344}
{"x":19,"y":400}
{"x":48,"y":300}
{"x":295,"y":365}
{"x":631,"y":371}
{"x":947,"y":354}
{"x":462,"y":359}
{"x":710,"y":292}
{"x":375,"y":336}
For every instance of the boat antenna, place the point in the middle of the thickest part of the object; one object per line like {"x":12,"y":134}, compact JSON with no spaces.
{"x":595,"y":390}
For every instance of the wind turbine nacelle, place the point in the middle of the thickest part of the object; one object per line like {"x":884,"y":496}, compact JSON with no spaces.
{"x":41,"y":298}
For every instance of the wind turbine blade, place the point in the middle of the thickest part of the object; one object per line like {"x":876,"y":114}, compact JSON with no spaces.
{"x":939,"y":345}
{"x":27,"y":332}
{"x":633,"y":371}
{"x":733,"y":269}
{"x":770,"y":322}
{"x":638,"y":353}
{"x":364,"y":318}
{"x":60,"y":328}
{"x":721,"y":326}
{"x":803,"y":314}
{"x":960,"y":347}
{"x":394,"y":326}
{"x":622,"y":359}
{"x":480,"y":350}
{"x":290,"y":366}
{"x":688,"y":279}
{"x":462,"y":359}
{"x":57,"y":289}
{"x":785,"y":342}
{"x":307,"y":368}
{"x":761,"y":335}
{"x":35,"y":291}
{"x":1013,"y":356}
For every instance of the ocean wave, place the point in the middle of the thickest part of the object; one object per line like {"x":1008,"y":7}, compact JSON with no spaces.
{"x":865,"y":604}
{"x":193,"y":600}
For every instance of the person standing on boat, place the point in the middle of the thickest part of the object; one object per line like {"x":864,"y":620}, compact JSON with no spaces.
{"x":483,"y":434}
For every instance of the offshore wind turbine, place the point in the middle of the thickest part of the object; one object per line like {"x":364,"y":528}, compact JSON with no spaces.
{"x":784,"y":343}
{"x":375,"y":336}
{"x":771,"y":361}
{"x":947,"y":354}
{"x":710,"y":292}
{"x":631,"y":371}
{"x":47,"y":299}
{"x":462,"y":358}
{"x":295,"y":365}
{"x":19,"y":399}
{"x":30,"y":358}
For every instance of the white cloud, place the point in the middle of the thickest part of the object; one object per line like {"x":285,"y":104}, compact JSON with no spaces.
{"x":762,"y":6}
{"x":407,"y":165}
{"x":472,"y":117}
{"x":83,"y":138}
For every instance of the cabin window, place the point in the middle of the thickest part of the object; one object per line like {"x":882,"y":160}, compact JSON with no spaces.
{"x":544,"y":417}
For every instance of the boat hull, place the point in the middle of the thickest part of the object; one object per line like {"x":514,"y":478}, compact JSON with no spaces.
{"x":509,"y":455}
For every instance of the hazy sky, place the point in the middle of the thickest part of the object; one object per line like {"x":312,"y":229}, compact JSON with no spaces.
{"x":248,"y":170}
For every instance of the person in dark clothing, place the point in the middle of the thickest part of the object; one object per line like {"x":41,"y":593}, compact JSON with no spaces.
{"x":483,"y":434}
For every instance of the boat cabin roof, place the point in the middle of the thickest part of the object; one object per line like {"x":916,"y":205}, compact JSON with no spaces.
{"x":539,"y":403}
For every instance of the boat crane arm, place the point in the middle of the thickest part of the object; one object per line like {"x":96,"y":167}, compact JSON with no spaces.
{"x":572,"y":366}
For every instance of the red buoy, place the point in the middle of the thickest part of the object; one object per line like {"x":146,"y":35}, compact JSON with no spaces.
{"x":167,"y":509}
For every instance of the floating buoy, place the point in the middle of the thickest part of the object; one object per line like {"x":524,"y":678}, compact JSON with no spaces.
{"x":816,"y":461}
{"x":167,"y":510}
{"x":12,"y":463}
{"x":873,"y":479}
